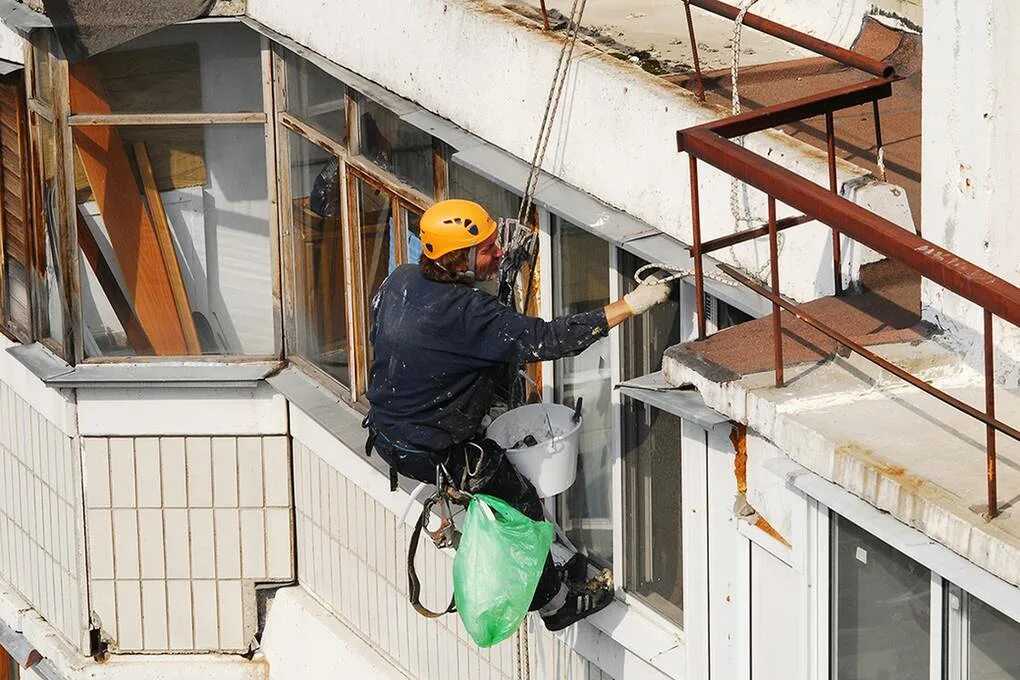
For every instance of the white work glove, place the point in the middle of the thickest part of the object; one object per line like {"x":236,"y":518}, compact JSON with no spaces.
{"x":646,"y":296}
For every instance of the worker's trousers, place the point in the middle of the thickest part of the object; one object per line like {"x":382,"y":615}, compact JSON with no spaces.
{"x":480,"y":466}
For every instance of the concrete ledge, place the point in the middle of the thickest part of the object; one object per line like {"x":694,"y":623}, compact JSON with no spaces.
{"x":886,"y":442}
{"x":303,"y":640}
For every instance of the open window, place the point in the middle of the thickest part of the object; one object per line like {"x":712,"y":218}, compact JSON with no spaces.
{"x":15,"y":218}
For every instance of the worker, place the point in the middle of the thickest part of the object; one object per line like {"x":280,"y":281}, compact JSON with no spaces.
{"x":440,"y":347}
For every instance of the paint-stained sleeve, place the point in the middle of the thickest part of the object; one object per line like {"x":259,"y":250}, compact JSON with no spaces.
{"x":501,"y":335}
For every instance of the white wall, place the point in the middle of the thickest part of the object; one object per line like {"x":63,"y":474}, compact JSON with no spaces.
{"x":488,"y":72}
{"x":970,"y":131}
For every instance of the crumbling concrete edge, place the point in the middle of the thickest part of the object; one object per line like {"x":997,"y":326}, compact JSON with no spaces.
{"x":916,"y":502}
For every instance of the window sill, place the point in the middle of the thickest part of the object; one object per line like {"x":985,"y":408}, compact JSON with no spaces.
{"x":653,"y":390}
{"x":57,"y":373}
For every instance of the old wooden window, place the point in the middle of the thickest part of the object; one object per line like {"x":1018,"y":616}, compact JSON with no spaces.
{"x":15,"y":231}
{"x":48,"y":275}
{"x":171,"y":195}
{"x":395,"y":146}
{"x":316,"y":98}
{"x":580,"y":284}
{"x":320,"y":329}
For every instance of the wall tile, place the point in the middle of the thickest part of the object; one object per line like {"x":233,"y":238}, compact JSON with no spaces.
{"x":100,"y":530}
{"x":147,"y":469}
{"x":176,"y":529}
{"x":231,"y":616}
{"x":125,"y":543}
{"x":104,"y":603}
{"x":181,"y":626}
{"x":96,"y":461}
{"x":278,"y":543}
{"x":276,"y":459}
{"x":151,"y":543}
{"x":250,"y":471}
{"x":228,"y":543}
{"x":203,"y":544}
{"x":254,"y":541}
{"x":174,"y":468}
{"x":155,"y":633}
{"x":122,"y":472}
{"x":206,"y":614}
{"x":129,"y":615}
{"x":199,"y":462}
{"x":224,"y":461}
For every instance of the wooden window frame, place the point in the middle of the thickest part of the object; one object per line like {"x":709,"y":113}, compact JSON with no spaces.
{"x":265,"y":118}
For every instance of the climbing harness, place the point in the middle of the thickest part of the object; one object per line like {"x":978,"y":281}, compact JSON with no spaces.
{"x":444,"y":536}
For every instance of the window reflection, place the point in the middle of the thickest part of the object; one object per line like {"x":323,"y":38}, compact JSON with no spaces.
{"x":580,"y":284}
{"x":993,"y":650}
{"x":376,"y":236}
{"x":316,"y":97}
{"x":881,"y":608}
{"x":395,"y":146}
{"x":319,"y":256}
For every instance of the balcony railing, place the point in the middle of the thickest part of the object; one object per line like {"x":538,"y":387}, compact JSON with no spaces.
{"x":712,"y":144}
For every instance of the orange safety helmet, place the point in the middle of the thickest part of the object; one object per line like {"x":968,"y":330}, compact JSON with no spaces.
{"x":452,"y":225}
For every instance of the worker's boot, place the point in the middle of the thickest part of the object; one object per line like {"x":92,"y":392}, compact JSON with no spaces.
{"x":583,"y":600}
{"x":574,"y":571}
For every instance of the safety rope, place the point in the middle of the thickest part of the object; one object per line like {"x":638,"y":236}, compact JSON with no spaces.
{"x":678,"y":273}
{"x":551,"y":105}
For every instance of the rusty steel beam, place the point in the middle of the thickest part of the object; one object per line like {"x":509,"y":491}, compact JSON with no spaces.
{"x":795,"y":110}
{"x":863,"y":351}
{"x":699,"y":271}
{"x":777,"y":317}
{"x":694,"y":50}
{"x":954,"y":273}
{"x":809,"y":42}
{"x":993,"y":493}
{"x":749,"y":234}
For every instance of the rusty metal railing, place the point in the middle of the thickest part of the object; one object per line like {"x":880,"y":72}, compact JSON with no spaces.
{"x":711,"y":143}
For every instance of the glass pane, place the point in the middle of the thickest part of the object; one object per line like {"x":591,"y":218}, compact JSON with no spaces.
{"x":395,"y":146}
{"x":652,"y":511}
{"x":881,"y":609}
{"x":375,"y":229}
{"x":644,"y":339}
{"x":580,"y":284}
{"x":191,"y":272}
{"x":319,"y":257}
{"x":316,"y":97}
{"x":52,"y":302}
{"x":210,"y":68}
{"x":499,"y":202}
{"x":412,"y":222}
{"x":994,"y":643}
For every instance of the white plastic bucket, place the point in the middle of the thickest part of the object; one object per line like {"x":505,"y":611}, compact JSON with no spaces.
{"x":551,"y":465}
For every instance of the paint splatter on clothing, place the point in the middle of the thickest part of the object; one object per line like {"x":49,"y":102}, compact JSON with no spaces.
{"x":439,"y":349}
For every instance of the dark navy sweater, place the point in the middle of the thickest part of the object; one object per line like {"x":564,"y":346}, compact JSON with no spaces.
{"x":439,"y":349}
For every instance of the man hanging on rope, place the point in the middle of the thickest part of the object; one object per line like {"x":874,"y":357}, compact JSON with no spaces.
{"x":440,"y":346}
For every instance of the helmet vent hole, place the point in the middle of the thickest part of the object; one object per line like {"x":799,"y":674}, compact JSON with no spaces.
{"x":428,"y":247}
{"x":473,"y":230}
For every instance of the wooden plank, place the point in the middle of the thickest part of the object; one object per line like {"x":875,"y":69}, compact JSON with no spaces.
{"x":129,"y":119}
{"x":159,"y":220}
{"x":108,"y":282}
{"x":132,"y":234}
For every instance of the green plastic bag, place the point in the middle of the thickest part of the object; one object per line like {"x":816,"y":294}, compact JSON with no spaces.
{"x":497,"y":567}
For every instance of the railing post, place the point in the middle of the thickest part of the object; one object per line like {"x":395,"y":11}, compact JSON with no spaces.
{"x":777,"y":318}
{"x":837,"y":258}
{"x":699,"y":274}
{"x":694,"y":50}
{"x":993,"y":501}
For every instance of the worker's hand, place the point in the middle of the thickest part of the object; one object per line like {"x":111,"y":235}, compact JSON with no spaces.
{"x":646,"y":296}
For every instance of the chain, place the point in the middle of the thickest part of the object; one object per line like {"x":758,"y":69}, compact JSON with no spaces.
{"x":742,"y":213}
{"x":551,"y":105}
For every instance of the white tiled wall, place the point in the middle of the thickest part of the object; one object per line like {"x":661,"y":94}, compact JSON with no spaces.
{"x":40,"y":510}
{"x":180,"y":528}
{"x":352,"y":557}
